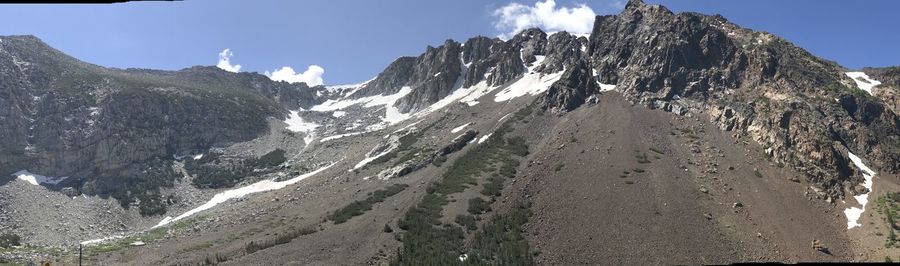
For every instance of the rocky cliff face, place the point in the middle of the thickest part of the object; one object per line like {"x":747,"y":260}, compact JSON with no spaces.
{"x":748,"y":82}
{"x":889,"y":90}
{"x":440,"y":70}
{"x":64,"y":117}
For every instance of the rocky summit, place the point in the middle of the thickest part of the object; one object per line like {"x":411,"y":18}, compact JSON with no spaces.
{"x":658,"y":138}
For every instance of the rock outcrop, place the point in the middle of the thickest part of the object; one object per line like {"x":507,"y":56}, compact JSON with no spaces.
{"x":801,"y":108}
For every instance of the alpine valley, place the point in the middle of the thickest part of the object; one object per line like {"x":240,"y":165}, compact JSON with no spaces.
{"x":658,"y":138}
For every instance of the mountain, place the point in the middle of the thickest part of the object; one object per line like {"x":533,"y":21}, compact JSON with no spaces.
{"x":65,"y":117}
{"x":660,"y":138}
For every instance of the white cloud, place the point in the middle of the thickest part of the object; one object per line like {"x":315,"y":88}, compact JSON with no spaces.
{"x":225,"y":62}
{"x":516,"y":17}
{"x":312,"y":76}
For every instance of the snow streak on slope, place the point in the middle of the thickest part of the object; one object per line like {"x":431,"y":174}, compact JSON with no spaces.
{"x":484,"y":138}
{"x":36,"y":179}
{"x":853,"y":213}
{"x":261,"y":186}
{"x":372,"y":158}
{"x":457,"y":129}
{"x":863,"y":81}
{"x":296,"y":124}
{"x":330,"y":138}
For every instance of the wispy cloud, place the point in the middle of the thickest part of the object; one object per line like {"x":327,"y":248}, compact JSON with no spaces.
{"x":516,"y":17}
{"x":225,"y":62}
{"x":312,"y":76}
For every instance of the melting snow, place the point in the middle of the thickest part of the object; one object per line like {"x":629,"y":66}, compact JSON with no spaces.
{"x":261,"y":186}
{"x":330,"y":138}
{"x":36,"y":179}
{"x":95,"y":241}
{"x":457,"y":129}
{"x":603,"y":87}
{"x":370,"y":159}
{"x":531,"y":83}
{"x":484,"y":138}
{"x":853,"y":213}
{"x":863,"y":81}
{"x":296,"y":124}
{"x":338,"y":113}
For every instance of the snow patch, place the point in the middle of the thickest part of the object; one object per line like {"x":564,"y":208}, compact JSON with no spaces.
{"x":36,"y":179}
{"x":261,"y":186}
{"x":484,"y":138}
{"x":330,"y":138}
{"x":296,"y":124}
{"x":457,"y":129}
{"x":863,"y":81}
{"x":338,"y":114}
{"x":853,"y":213}
{"x":100,"y":240}
{"x":370,"y":159}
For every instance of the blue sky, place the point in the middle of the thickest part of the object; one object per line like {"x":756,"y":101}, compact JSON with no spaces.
{"x":354,"y":40}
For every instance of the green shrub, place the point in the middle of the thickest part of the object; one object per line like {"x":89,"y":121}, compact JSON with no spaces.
{"x":9,"y":240}
{"x":426,"y":241}
{"x":357,"y":208}
{"x":387,"y":228}
{"x":467,"y":221}
{"x":493,"y":187}
{"x":287,"y":237}
{"x":439,"y":161}
{"x":273,"y":158}
{"x":558,"y":167}
{"x":478,"y":206}
{"x":500,"y":241}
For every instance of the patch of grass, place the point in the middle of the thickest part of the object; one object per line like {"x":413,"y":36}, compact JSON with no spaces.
{"x":500,"y":241}
{"x":467,"y":222}
{"x":146,"y":237}
{"x":757,"y":173}
{"x":638,"y":170}
{"x":889,"y":206}
{"x":426,"y":241}
{"x":387,"y":228}
{"x":284,"y":238}
{"x":656,"y":150}
{"x":493,"y":187}
{"x":9,"y":240}
{"x":478,"y":206}
{"x":357,"y":208}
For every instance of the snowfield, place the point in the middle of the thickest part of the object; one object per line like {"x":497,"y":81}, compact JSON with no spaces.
{"x":853,"y":213}
{"x":261,"y":186}
{"x":532,"y":83}
{"x":863,"y":81}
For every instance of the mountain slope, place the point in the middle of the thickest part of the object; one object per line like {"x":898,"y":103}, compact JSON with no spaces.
{"x":106,"y":127}
{"x":660,"y":138}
